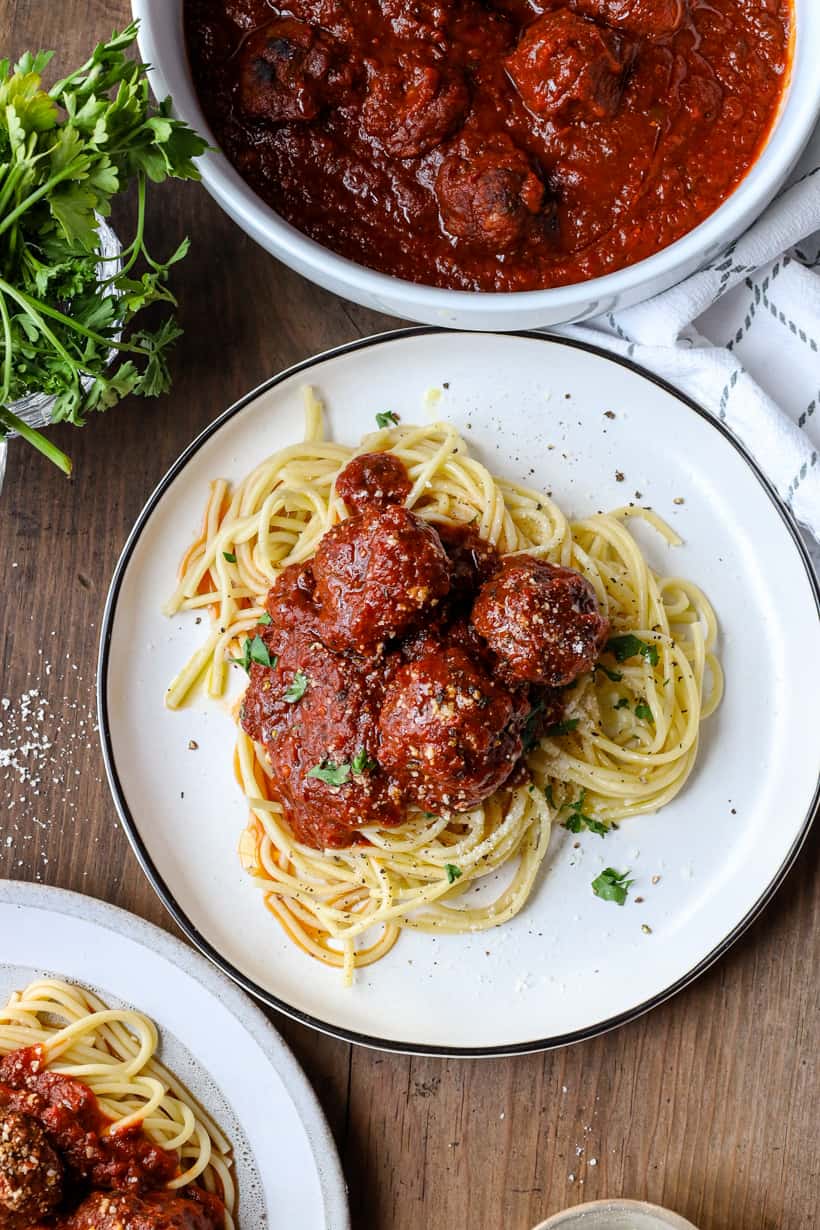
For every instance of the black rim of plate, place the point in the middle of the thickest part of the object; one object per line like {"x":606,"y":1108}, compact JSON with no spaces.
{"x":163,"y":891}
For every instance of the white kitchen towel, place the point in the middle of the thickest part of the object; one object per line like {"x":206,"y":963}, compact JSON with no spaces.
{"x":742,"y":337}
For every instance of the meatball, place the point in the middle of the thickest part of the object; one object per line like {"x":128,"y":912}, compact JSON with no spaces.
{"x":317,"y":715}
{"x":488,"y":193}
{"x":155,"y":1211}
{"x":376,"y":575}
{"x":374,"y":478}
{"x":566,"y":68}
{"x":542,"y":621}
{"x":449,"y":732}
{"x":290,"y":599}
{"x":472,"y":560}
{"x":413,"y":105}
{"x":644,"y":18}
{"x":288,"y":71}
{"x":31,"y":1173}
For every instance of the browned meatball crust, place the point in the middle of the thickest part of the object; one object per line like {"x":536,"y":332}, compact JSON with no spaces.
{"x":289,"y":71}
{"x":542,"y":621}
{"x":377,"y":574}
{"x":566,"y":68}
{"x":413,"y":104}
{"x":31,"y":1173}
{"x":489,"y":194}
{"x":449,"y":732}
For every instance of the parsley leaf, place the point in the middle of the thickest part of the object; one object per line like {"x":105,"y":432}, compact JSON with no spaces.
{"x":332,"y":774}
{"x":643,"y":712}
{"x":612,"y":885}
{"x":362,"y":762}
{"x":67,"y":156}
{"x":387,"y":418}
{"x":623,"y":703}
{"x":453,"y":873}
{"x":297,"y":688}
{"x":265,"y":619}
{"x":255,"y":651}
{"x":578,"y":820}
{"x":614,"y":676}
{"x":562,"y":728}
{"x":229,"y":556}
{"x":629,"y":646}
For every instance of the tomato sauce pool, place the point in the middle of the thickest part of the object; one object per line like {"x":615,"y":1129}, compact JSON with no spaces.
{"x":505,"y":146}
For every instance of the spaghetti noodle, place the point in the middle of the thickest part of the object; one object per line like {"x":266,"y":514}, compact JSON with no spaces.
{"x":626,"y":746}
{"x":112,"y":1051}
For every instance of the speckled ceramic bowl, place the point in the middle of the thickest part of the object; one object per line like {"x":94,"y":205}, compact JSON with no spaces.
{"x":616,"y":1215}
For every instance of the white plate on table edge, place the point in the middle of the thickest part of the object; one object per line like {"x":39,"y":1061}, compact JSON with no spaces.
{"x":570,"y":966}
{"x":212,"y":1037}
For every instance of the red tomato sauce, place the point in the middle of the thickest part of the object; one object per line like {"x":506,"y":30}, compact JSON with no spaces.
{"x":512,"y":145}
{"x":97,"y":1161}
{"x":382,"y":694}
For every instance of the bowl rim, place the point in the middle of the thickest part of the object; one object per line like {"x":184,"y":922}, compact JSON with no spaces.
{"x":566,"y":1217}
{"x":791,"y":129}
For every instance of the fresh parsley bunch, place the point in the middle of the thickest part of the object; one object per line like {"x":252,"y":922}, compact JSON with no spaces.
{"x":65,"y":154}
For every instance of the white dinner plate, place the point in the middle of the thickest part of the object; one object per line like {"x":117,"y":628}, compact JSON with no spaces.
{"x":570,"y":965}
{"x":212,"y":1037}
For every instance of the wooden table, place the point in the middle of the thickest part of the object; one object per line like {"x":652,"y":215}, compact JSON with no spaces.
{"x":708,"y":1105}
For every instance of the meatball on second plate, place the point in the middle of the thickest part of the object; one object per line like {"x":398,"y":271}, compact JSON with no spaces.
{"x":449,"y":732}
{"x":31,"y":1174}
{"x":541,"y":620}
{"x":377,"y":574}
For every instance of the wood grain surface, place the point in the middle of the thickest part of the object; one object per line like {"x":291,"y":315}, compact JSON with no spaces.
{"x":708,"y":1105}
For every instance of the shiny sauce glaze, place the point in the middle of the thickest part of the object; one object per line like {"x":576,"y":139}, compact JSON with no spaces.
{"x":89,"y":1175}
{"x":383,"y":696}
{"x":506,"y":146}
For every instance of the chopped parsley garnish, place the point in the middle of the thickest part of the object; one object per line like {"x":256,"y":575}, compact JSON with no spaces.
{"x":362,"y":762}
{"x":579,"y":820}
{"x":562,"y":728}
{"x":297,"y":688}
{"x":623,"y":703}
{"x":387,"y":418}
{"x":643,"y":712}
{"x":229,"y":556}
{"x":614,"y":676}
{"x":629,"y":646}
{"x":612,"y":885}
{"x":255,"y":651}
{"x":265,"y":619}
{"x":332,"y":774}
{"x":548,"y":795}
{"x":453,"y":873}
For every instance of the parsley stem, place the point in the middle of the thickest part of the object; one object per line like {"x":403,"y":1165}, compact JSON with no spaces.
{"x":6,"y":386}
{"x":72,"y":171}
{"x":30,"y":306}
{"x":33,"y":306}
{"x":12,"y":423}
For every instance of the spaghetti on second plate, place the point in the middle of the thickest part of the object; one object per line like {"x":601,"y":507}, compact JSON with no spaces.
{"x":623,"y":743}
{"x":81,"y":1083}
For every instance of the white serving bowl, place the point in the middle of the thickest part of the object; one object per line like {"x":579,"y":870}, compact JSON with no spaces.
{"x":162,"y":45}
{"x":616,"y":1215}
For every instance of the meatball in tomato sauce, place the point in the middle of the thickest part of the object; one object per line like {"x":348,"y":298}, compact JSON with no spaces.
{"x":566,"y":68}
{"x":377,"y":574}
{"x":373,"y":478}
{"x":31,"y":1173}
{"x":449,"y":732}
{"x":289,"y":71}
{"x":543,"y":622}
